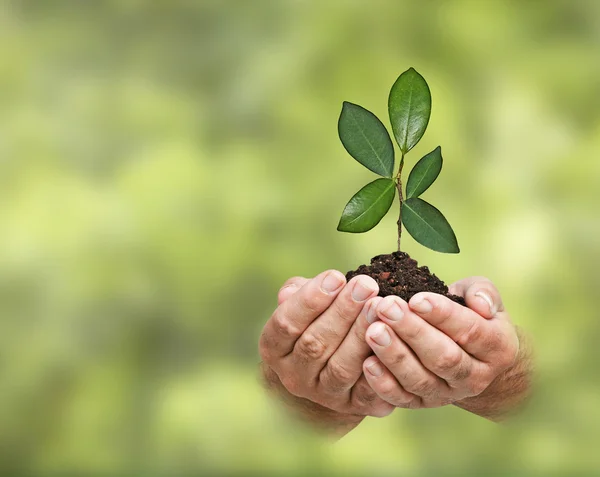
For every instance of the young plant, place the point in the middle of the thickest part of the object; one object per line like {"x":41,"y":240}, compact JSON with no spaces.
{"x":366,"y":139}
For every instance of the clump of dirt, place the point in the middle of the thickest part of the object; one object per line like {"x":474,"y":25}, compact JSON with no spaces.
{"x":398,"y":274}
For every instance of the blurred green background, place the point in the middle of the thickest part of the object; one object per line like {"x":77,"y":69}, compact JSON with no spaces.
{"x":166,"y":165}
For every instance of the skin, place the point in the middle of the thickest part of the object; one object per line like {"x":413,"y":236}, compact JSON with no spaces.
{"x":334,"y":352}
{"x":314,"y":345}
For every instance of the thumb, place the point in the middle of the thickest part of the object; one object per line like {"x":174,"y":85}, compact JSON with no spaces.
{"x":480,"y":294}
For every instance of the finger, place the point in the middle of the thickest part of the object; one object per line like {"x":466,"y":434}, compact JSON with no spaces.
{"x":294,"y":315}
{"x":365,"y":401}
{"x":438,"y":353}
{"x":480,"y":295}
{"x":290,"y":287}
{"x":324,"y":335}
{"x":344,"y":367}
{"x":479,"y":337}
{"x":387,"y":387}
{"x":404,"y":365}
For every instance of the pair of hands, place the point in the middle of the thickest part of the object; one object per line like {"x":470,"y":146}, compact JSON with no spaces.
{"x":339,"y":348}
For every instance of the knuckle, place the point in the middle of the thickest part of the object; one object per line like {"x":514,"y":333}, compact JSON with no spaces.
{"x":449,"y":360}
{"x":443,"y":308}
{"x":440,"y":306}
{"x":343,"y":308}
{"x":363,"y":398}
{"x":283,"y":326}
{"x":471,"y":335}
{"x":389,"y":390}
{"x":283,"y":292}
{"x":336,"y":375}
{"x":461,"y":372}
{"x":423,"y":387}
{"x":311,"y":347}
{"x":310,"y":302}
{"x":412,"y":333}
{"x":397,"y":358}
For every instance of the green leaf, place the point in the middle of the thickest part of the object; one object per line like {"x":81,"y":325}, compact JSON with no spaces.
{"x":365,"y":138}
{"x":409,"y":105}
{"x":368,"y":206}
{"x":424,"y":173}
{"x":428,"y":226}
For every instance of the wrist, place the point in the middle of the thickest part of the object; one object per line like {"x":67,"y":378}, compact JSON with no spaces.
{"x":326,"y":420}
{"x":508,"y":391}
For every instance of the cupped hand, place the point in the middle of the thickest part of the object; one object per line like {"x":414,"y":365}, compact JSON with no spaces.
{"x":315,"y":342}
{"x":431,"y":351}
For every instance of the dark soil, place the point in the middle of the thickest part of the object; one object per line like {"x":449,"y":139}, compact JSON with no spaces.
{"x":398,"y":274}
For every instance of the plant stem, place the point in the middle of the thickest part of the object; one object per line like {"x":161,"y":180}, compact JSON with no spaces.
{"x":400,"y":198}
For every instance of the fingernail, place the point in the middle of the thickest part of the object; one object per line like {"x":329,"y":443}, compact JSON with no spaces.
{"x":393,"y":312}
{"x":380,"y":335}
{"x":488,"y":299}
{"x":332,"y":282}
{"x":362,"y":289}
{"x":371,"y":316}
{"x":375,"y":369}
{"x":421,"y":306}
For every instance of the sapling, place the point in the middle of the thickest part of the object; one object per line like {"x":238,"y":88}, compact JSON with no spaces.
{"x":366,"y":139}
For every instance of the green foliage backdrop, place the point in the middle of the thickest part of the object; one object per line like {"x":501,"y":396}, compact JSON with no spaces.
{"x":166,"y":165}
